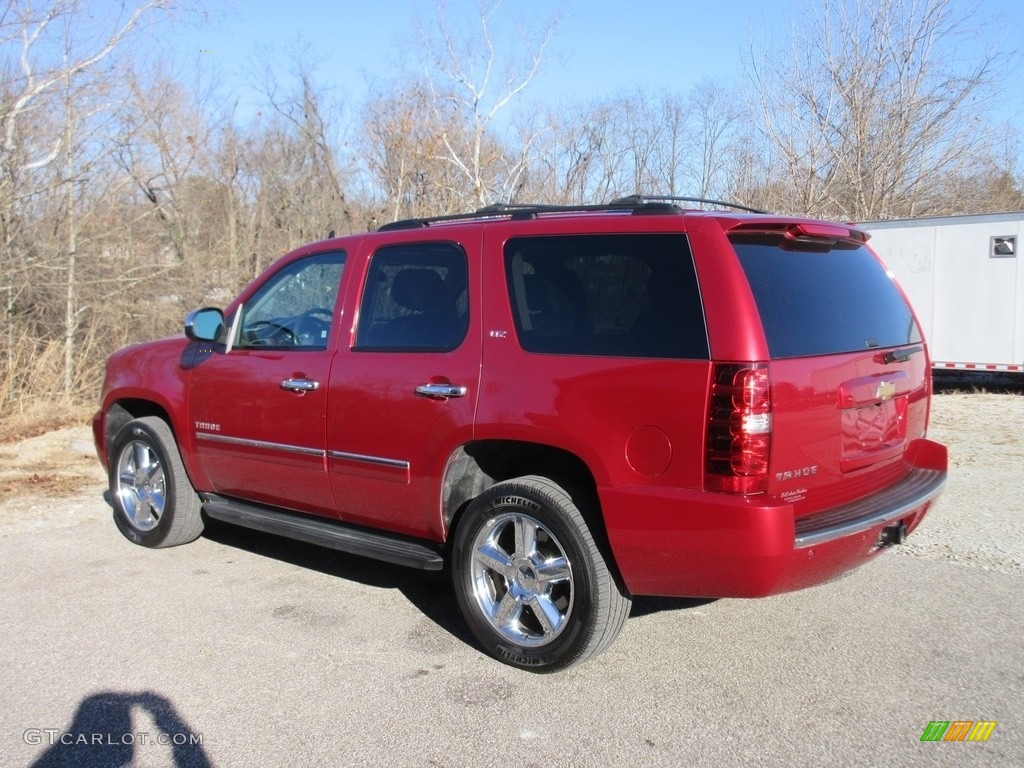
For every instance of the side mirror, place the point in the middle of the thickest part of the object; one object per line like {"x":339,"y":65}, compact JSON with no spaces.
{"x":205,"y":324}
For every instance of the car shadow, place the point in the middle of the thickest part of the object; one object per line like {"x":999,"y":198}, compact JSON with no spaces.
{"x":431,"y":592}
{"x":102,"y":733}
{"x":645,"y":606}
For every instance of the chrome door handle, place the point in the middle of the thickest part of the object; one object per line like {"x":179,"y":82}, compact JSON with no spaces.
{"x":440,"y":391}
{"x":300,"y":385}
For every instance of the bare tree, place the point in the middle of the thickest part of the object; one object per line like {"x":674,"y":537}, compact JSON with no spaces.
{"x":50,"y":59}
{"x":875,"y":104}
{"x":716,"y":141}
{"x":406,"y":152}
{"x":472,"y":80}
{"x":314,"y":140}
{"x":641,"y":143}
{"x":161,"y":146}
{"x":569,"y":163}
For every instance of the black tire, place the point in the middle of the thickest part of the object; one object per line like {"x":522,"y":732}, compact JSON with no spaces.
{"x":154,"y":503}
{"x":532,"y":583}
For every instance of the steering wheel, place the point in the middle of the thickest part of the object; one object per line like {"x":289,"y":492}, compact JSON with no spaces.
{"x":311,"y":329}
{"x":271,"y":333}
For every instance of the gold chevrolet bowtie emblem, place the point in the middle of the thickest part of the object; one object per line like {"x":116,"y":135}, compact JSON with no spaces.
{"x":886,"y":390}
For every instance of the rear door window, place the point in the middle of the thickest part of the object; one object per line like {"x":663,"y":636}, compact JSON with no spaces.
{"x":612,"y":295}
{"x":416,"y":299}
{"x":820,"y":301}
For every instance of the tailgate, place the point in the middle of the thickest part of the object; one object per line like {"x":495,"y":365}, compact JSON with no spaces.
{"x":850,"y":387}
{"x":846,"y":429}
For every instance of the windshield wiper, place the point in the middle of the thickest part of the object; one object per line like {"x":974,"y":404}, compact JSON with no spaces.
{"x":900,"y":355}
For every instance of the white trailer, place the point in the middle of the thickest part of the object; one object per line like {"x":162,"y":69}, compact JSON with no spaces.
{"x":965,"y":281}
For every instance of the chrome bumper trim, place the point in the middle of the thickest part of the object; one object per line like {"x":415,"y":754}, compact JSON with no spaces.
{"x":919,"y":487}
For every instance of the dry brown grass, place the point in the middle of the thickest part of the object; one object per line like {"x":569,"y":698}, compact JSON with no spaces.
{"x":48,"y":453}
{"x":51,"y":486}
{"x":39,"y":417}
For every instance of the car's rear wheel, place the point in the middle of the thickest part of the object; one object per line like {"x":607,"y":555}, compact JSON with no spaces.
{"x":532,"y":582}
{"x":154,"y":502}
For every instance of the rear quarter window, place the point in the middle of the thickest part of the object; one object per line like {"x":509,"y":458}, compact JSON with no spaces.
{"x":820,"y":301}
{"x":629,"y":295}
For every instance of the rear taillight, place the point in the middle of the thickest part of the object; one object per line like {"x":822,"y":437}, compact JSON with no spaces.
{"x":739,"y":429}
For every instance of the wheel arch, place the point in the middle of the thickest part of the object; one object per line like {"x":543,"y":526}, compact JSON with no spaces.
{"x":476,"y":466}
{"x":126,"y":409}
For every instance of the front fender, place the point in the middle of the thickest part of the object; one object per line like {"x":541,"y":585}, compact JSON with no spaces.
{"x":150,"y":379}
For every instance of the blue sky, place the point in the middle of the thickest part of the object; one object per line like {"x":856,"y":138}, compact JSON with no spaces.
{"x":600,"y":47}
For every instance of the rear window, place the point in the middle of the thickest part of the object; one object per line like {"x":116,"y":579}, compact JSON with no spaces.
{"x":609,"y":295}
{"x":820,"y":302}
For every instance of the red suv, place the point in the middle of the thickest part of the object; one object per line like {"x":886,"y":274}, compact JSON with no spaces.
{"x":570,"y":406}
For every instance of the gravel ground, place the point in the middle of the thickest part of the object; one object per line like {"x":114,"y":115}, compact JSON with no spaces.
{"x":278,"y":653}
{"x":977,"y":521}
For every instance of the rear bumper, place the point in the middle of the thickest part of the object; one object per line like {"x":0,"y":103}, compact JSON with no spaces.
{"x":695,"y":544}
{"x":889,"y":506}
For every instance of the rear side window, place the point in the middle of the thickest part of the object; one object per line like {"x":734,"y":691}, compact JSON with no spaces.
{"x":820,"y":301}
{"x":611,"y":295}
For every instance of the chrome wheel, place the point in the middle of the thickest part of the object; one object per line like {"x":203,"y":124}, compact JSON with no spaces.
{"x":531,"y":581}
{"x":521,"y":579}
{"x":154,"y":503}
{"x":141,"y":487}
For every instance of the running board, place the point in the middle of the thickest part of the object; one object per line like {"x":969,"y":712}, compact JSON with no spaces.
{"x":390,"y":548}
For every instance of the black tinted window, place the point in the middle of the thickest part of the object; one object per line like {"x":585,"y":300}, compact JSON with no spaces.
{"x":821,"y":302}
{"x":415,"y":299}
{"x":616,"y":295}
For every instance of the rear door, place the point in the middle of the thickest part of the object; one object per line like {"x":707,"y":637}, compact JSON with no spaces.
{"x":595,"y":343}
{"x":404,"y":389}
{"x":849,"y":370}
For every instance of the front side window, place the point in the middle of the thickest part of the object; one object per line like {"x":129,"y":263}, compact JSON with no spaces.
{"x":612,"y":295}
{"x":295,"y":308}
{"x":415,"y":299}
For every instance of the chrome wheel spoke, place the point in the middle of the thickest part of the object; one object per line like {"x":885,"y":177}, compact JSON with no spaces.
{"x":548,"y":614}
{"x":554,"y":571}
{"x":526,"y":535}
{"x":507,"y":610}
{"x":493,"y":558}
{"x":156,"y":504}
{"x":141,"y":453}
{"x":155,"y":473}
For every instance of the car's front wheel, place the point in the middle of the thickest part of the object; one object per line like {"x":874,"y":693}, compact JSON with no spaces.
{"x":531,"y":581}
{"x":154,"y":502}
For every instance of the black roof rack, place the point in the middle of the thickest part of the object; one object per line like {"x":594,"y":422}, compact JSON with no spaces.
{"x":649,"y":199}
{"x":636,"y":204}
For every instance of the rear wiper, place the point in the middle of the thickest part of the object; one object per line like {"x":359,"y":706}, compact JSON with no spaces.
{"x":900,"y":355}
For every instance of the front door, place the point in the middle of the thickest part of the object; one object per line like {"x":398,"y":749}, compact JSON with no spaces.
{"x":258,"y":407}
